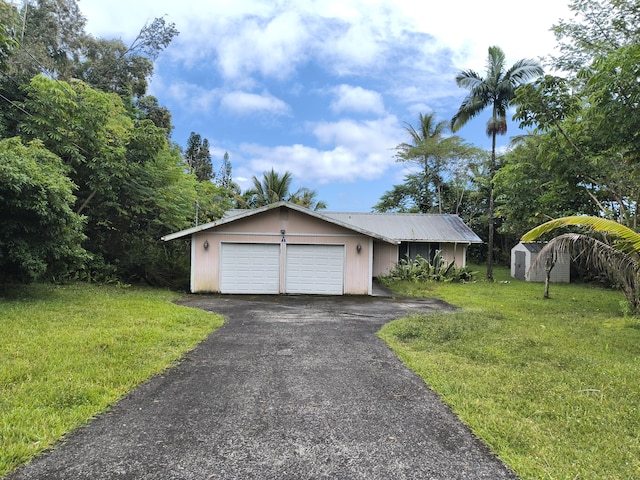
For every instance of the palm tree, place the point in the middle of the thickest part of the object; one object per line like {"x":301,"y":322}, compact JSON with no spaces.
{"x":424,"y":147}
{"x":271,"y":188}
{"x":496,"y":90}
{"x":616,"y":255}
{"x":307,"y":198}
{"x":274,"y":188}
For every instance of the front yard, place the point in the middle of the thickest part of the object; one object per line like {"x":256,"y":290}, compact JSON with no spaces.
{"x":553,"y":386}
{"x":68,"y":352}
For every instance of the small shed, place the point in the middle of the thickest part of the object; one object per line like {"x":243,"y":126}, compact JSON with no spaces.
{"x":524,"y":254}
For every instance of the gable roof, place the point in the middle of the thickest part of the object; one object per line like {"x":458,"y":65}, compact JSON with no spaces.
{"x":235,"y":215}
{"x":412,"y":227}
{"x":533,"y":247}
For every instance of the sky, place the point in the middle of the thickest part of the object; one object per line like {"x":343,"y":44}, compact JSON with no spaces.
{"x":324,"y":88}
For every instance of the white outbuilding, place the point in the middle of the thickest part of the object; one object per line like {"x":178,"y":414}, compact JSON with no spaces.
{"x":523,"y":256}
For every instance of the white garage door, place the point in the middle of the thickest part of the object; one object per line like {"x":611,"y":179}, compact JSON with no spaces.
{"x":315,"y":269}
{"x":250,"y":268}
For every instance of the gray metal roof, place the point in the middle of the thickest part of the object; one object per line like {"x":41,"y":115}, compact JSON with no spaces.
{"x":416,"y":227}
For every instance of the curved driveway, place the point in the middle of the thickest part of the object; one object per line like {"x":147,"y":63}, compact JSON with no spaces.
{"x":291,"y":387}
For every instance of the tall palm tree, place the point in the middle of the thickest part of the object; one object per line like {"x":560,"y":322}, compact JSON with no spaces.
{"x":616,"y":255}
{"x":496,"y":90}
{"x":422,"y":149}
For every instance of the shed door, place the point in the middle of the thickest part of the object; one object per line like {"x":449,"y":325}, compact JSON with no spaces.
{"x":521,"y":268}
{"x":315,"y":269}
{"x":250,"y":268}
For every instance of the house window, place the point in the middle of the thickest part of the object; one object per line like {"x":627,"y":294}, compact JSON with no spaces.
{"x":412,"y":249}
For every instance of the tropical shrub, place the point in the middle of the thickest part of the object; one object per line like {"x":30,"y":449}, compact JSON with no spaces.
{"x":420,"y":269}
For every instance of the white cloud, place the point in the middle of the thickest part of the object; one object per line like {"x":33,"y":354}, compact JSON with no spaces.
{"x":382,"y":58}
{"x":274,"y":37}
{"x":272,"y":47}
{"x":355,"y":151}
{"x":243,"y":103}
{"x":188,"y":95}
{"x":356,"y":99}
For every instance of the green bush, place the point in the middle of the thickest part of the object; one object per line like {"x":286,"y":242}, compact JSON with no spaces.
{"x":419,"y":269}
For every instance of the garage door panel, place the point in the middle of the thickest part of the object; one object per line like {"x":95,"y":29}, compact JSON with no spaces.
{"x":315,"y":269}
{"x":250,"y":268}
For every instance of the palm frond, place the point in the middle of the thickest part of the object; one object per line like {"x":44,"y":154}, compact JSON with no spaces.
{"x":468,"y":79}
{"x":630,"y":238}
{"x":621,"y":268}
{"x":524,"y":70}
{"x":471,"y":106}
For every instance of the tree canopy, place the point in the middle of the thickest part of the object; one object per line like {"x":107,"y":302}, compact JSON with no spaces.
{"x":91,"y":179}
{"x":273,"y":187}
{"x":41,"y":235}
{"x":438,"y":163}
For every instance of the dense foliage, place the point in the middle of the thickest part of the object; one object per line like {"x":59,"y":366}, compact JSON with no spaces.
{"x":89,"y":177}
{"x":584,"y":150}
{"x":40,"y":234}
{"x":420,"y":269}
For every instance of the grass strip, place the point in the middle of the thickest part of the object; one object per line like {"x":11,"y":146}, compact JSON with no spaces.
{"x":552,"y":386}
{"x":68,"y":352}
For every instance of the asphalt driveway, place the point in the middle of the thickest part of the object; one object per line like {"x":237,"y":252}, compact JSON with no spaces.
{"x":291,"y":387}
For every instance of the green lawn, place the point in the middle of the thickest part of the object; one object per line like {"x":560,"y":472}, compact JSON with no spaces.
{"x":68,"y":352}
{"x":553,"y":386}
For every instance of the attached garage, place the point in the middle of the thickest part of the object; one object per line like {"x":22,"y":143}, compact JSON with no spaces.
{"x":283,"y":248}
{"x":249,"y":268}
{"x":315,"y":269}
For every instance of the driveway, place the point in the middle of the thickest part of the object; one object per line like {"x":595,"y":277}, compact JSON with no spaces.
{"x":291,"y":387}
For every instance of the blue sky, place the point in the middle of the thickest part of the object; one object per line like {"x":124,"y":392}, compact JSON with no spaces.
{"x":323,"y":88}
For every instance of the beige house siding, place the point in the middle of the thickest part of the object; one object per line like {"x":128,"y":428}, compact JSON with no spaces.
{"x":370,"y":243}
{"x":385,"y":257}
{"x":454,"y":252}
{"x":299,"y":229}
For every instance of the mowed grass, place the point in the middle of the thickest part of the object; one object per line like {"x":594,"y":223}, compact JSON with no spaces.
{"x":68,"y":352}
{"x":552,"y":386}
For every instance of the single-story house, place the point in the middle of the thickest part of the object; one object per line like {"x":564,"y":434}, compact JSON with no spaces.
{"x":523,"y":256}
{"x":284,"y":248}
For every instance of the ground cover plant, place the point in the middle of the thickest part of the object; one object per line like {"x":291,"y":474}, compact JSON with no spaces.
{"x":550,"y":385}
{"x":68,"y":352}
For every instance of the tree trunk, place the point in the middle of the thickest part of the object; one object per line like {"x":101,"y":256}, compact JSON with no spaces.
{"x":547,"y":281}
{"x":548,"y":266}
{"x":492,"y":168}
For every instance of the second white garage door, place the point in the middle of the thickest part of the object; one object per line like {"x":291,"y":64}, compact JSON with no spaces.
{"x":315,"y":269}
